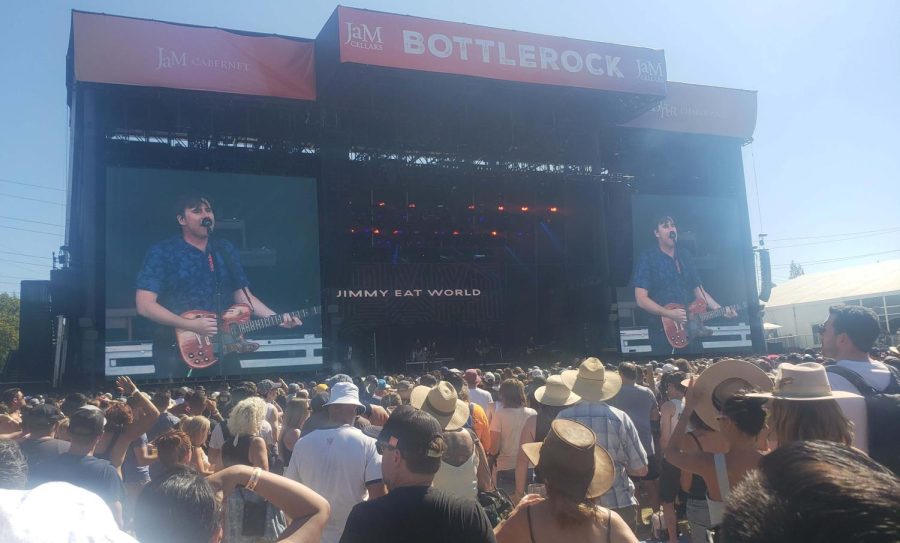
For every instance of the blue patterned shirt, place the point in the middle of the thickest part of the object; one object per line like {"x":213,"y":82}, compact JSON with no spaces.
{"x":657,"y":273}
{"x":180,"y":275}
{"x":617,"y":434}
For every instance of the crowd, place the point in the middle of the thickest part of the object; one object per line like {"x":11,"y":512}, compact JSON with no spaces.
{"x":755,"y":449}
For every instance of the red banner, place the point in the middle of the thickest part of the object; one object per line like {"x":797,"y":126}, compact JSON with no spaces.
{"x":698,"y":109}
{"x":127,"y":51}
{"x":399,"y":41}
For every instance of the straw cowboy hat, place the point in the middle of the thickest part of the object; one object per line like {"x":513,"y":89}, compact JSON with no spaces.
{"x":803,"y":382}
{"x":592,"y":382}
{"x":571,"y":457}
{"x":556,"y":393}
{"x":442,"y":402}
{"x":720,"y":381}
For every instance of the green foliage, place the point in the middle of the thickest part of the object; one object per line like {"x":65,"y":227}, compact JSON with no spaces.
{"x":9,"y":325}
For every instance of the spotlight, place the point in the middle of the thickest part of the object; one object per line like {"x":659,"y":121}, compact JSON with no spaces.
{"x":554,"y":209}
{"x":494,"y":233}
{"x":395,"y":232}
{"x":353,"y":230}
{"x":471,"y":207}
{"x":376,"y":231}
{"x":456,"y":232}
{"x":411,"y":206}
{"x":524,"y":209}
{"x":500,"y":208}
{"x":381,"y":204}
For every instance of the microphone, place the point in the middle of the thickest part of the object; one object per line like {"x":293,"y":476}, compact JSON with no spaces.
{"x":672,"y":235}
{"x":207,"y":222}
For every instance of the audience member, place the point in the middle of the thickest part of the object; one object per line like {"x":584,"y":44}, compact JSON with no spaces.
{"x":575,"y":471}
{"x":614,"y":429}
{"x":818,"y":491}
{"x":339,"y":463}
{"x":412,"y":445}
{"x":506,"y":432}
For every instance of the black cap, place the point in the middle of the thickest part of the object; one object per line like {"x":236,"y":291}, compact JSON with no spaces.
{"x":414,"y":431}
{"x":41,"y":415}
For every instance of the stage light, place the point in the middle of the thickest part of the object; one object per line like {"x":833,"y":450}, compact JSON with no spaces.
{"x":395,"y":232}
{"x":471,"y":207}
{"x":375,"y":232}
{"x":411,"y":206}
{"x":500,"y":208}
{"x":554,"y":209}
{"x":380,"y":204}
{"x":456,"y":232}
{"x":494,"y":233}
{"x":353,"y":230}
{"x":524,"y":209}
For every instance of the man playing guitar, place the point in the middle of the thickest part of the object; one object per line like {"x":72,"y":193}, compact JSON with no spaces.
{"x":664,"y":275}
{"x":179,"y":274}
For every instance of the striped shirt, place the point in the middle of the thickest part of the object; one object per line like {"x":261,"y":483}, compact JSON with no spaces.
{"x":617,"y":434}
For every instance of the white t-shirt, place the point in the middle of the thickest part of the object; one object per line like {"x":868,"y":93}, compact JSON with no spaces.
{"x":336,"y":463}
{"x":217,"y":439}
{"x":509,"y":422}
{"x":875,"y":374}
{"x":482,"y":398}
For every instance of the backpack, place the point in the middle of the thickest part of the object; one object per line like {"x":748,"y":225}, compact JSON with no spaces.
{"x":883,"y":407}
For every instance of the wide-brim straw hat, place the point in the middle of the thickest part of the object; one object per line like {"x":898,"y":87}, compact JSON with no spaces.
{"x":442,"y":402}
{"x":803,"y":382}
{"x":592,"y":382}
{"x":571,"y":457}
{"x":556,"y":393}
{"x":722,"y":380}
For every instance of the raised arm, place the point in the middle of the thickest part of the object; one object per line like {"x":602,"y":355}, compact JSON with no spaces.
{"x":309,"y":511}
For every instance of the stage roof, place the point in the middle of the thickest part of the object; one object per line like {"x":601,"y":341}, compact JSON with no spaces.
{"x":628,"y":83}
{"x":856,"y":282}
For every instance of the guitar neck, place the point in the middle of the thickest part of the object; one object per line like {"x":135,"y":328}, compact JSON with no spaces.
{"x":275,"y":320}
{"x":706,"y":315}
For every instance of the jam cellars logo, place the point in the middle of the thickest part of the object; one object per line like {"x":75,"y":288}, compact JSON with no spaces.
{"x":361,"y":37}
{"x":170,"y":59}
{"x":650,"y":71}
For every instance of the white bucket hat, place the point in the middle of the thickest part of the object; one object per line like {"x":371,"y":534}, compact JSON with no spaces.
{"x":345,"y":394}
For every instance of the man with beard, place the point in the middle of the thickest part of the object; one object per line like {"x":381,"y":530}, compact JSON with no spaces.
{"x":180,"y":274}
{"x":665,"y":274}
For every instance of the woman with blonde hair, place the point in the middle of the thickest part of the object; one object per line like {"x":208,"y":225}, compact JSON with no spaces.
{"x":575,"y":471}
{"x":197,"y":428}
{"x":243,"y":444}
{"x":295,"y":414}
{"x":804,"y":407}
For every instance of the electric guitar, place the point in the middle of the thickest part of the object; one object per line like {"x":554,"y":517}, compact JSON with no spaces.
{"x":681,"y":334}
{"x":200,"y":351}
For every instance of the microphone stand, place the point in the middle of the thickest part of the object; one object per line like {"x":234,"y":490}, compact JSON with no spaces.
{"x":220,"y":340}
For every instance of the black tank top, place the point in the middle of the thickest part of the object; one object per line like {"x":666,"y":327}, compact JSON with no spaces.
{"x":698,"y":485}
{"x":235,"y":454}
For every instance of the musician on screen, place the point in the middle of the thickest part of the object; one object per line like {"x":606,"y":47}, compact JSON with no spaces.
{"x":665,"y":275}
{"x":179,"y":275}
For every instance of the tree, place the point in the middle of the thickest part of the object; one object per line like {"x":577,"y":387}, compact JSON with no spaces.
{"x":796,"y":270}
{"x":9,"y":325}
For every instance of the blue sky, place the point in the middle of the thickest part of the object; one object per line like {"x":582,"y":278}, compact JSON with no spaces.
{"x":824,"y":163}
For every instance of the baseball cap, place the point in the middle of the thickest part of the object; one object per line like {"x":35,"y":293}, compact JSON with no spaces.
{"x":87,"y":421}
{"x":404,"y":385}
{"x":413,"y":431}
{"x":267,"y":385}
{"x":42,"y":415}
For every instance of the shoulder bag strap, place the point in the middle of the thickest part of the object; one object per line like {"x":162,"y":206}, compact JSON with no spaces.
{"x":855,"y":379}
{"x":722,"y":477}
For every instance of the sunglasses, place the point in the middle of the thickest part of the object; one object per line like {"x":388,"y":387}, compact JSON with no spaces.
{"x":381,"y":446}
